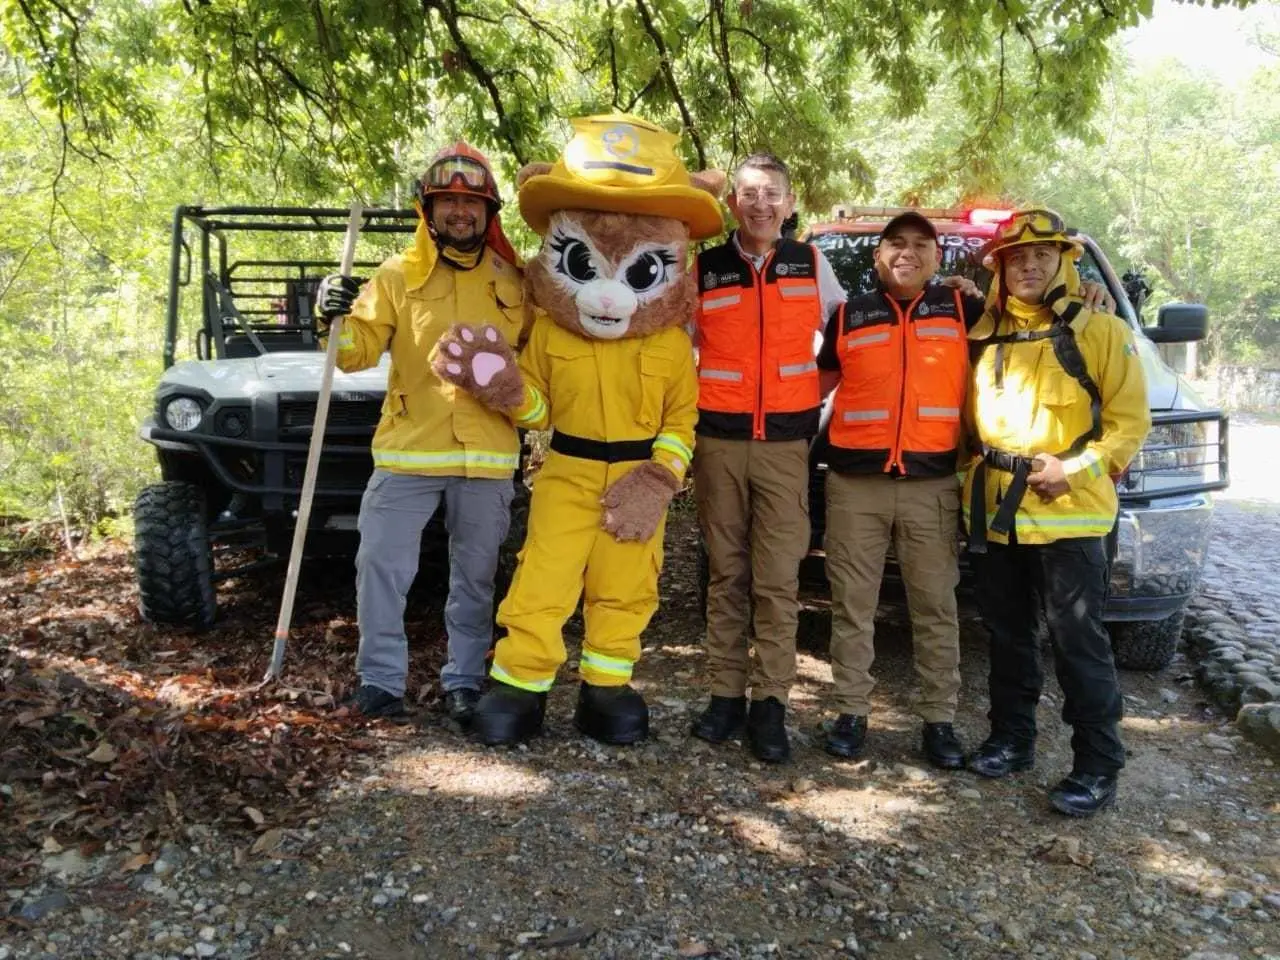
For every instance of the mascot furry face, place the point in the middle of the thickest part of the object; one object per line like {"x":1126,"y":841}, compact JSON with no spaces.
{"x":611,"y":275}
{"x":607,"y":364}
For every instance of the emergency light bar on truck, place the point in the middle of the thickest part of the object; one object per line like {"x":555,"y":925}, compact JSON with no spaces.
{"x":975,"y":215}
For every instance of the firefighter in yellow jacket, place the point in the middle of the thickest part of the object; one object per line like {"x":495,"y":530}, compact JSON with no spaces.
{"x":608,"y":366}
{"x":1058,"y":404}
{"x":434,"y":443}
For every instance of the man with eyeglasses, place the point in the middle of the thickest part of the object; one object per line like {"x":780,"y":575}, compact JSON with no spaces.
{"x":1058,"y":404}
{"x":762,"y":301}
{"x":434,"y":442}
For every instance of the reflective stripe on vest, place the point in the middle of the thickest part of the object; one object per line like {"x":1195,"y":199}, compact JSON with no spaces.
{"x":734,"y":376}
{"x":903,"y":380}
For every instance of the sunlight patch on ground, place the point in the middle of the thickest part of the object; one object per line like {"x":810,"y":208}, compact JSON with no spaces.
{"x":765,"y":836}
{"x":874,"y":812}
{"x":464,"y":773}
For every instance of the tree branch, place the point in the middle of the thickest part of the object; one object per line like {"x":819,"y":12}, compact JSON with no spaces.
{"x":448,"y":13}
{"x":665,"y":57}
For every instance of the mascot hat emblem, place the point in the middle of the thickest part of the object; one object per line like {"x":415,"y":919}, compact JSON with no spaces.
{"x":617,"y":163}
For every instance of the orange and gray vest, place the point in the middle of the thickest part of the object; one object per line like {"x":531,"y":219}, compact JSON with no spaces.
{"x":757,"y":375}
{"x":903,"y":375}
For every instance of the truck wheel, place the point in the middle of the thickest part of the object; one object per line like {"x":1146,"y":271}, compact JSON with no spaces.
{"x":172,"y":555}
{"x":1146,"y":644}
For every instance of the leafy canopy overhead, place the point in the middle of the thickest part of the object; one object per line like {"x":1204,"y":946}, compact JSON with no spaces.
{"x":341,"y":92}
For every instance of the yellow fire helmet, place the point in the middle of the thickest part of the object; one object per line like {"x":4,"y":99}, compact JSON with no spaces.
{"x":618,"y":163}
{"x":1034,"y":225}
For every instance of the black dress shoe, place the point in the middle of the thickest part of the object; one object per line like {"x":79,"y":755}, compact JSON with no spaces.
{"x":1083,"y":794}
{"x":1001,"y":756}
{"x":507,"y":714}
{"x":375,"y":702}
{"x":847,"y":736}
{"x":724,"y":718}
{"x":460,"y":704}
{"x":616,"y":715}
{"x":942,"y":747}
{"x":767,"y":730}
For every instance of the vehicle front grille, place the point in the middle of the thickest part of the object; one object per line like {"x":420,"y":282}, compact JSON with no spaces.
{"x":345,"y":416}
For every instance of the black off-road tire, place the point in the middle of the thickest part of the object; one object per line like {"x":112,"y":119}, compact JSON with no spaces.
{"x":1146,"y":644}
{"x":173,"y":558}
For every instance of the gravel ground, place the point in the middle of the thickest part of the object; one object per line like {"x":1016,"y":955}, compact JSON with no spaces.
{"x":434,"y":847}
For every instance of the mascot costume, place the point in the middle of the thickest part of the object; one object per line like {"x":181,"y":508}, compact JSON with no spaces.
{"x":608,"y":366}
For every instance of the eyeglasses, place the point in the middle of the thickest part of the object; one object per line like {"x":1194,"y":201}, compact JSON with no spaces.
{"x":444,"y":173}
{"x":770,"y":195}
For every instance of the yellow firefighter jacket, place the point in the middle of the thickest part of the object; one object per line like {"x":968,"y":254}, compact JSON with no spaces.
{"x":595,"y":393}
{"x":1041,"y":408}
{"x":428,"y":426}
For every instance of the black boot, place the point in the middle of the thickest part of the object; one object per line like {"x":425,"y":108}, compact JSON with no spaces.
{"x":460,"y":704}
{"x":1083,"y":794}
{"x":999,"y":756}
{"x":506,"y":715}
{"x":724,"y":718}
{"x":767,"y":730}
{"x":616,"y":715}
{"x":847,"y":736}
{"x":942,"y":747}
{"x":375,"y":702}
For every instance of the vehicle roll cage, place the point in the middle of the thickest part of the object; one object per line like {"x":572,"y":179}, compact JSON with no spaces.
{"x":251,"y":306}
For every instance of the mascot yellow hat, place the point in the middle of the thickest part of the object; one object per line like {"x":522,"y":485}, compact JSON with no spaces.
{"x":618,"y":163}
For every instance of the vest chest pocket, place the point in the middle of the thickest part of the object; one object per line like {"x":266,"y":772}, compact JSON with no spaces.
{"x":938,"y":368}
{"x":867,"y":356}
{"x":655,"y":373}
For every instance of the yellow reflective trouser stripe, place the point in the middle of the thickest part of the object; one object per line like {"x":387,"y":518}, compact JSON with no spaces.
{"x":1080,"y":524}
{"x":539,"y":405}
{"x":673,"y":444}
{"x":445,"y":458}
{"x":533,"y":686}
{"x":614,"y":666}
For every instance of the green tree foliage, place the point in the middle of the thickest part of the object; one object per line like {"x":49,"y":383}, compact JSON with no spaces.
{"x":322,"y":88}
{"x":1185,"y":183}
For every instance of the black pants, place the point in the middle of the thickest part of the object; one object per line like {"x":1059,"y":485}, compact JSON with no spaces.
{"x":1025,"y":590}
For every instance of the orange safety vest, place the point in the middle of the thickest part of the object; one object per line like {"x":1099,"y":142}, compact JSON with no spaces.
{"x":903,"y":376}
{"x":757,"y":374}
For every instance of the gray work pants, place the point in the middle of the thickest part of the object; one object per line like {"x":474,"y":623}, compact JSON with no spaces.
{"x":395,"y":509}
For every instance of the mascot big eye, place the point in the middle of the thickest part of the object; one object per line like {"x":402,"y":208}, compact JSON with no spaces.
{"x":608,"y":366}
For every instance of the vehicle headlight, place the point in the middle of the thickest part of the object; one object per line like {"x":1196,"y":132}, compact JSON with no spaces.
{"x":183,"y":413}
{"x":1173,"y":455}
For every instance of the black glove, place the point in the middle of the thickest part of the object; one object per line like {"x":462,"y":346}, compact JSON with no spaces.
{"x":335,"y":296}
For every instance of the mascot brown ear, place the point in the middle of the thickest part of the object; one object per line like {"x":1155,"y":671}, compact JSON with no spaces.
{"x":712,"y":181}
{"x":531,"y":170}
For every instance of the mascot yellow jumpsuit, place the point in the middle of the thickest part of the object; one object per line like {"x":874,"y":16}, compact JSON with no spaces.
{"x":609,"y":367}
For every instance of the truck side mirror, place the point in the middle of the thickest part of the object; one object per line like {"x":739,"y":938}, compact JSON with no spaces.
{"x":1179,"y":323}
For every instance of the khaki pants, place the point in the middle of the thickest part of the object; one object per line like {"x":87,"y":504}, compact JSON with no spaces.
{"x":753,"y":507}
{"x":921,"y":516}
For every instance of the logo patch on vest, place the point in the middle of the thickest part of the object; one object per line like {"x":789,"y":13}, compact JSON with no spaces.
{"x":856,"y":318}
{"x":782,"y":270}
